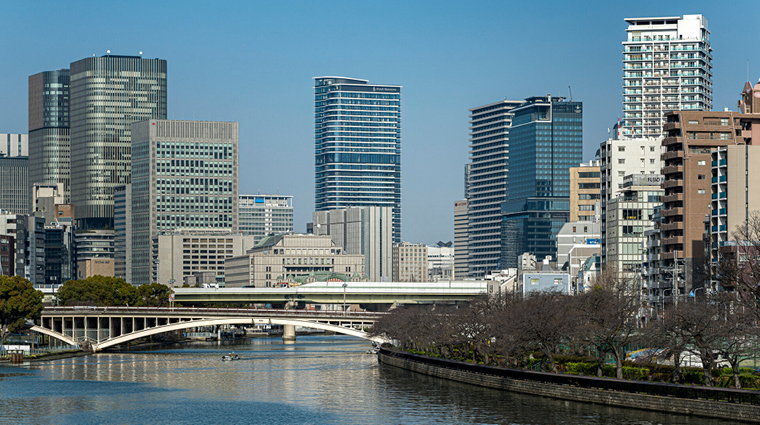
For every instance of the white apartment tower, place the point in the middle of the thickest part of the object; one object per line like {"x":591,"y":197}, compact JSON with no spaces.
{"x":667,"y":66}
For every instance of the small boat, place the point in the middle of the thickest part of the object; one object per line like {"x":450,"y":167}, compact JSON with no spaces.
{"x":230,"y":357}
{"x":372,"y":351}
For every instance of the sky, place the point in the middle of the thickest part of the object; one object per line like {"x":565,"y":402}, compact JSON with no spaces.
{"x":253,"y":62}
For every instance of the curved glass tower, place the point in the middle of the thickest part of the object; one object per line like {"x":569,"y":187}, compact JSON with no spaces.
{"x":357,"y":135}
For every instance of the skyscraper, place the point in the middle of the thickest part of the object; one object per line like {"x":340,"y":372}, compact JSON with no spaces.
{"x":184,"y":178}
{"x":357,"y":138}
{"x":486,"y":185}
{"x":108,"y":94}
{"x":545,"y":140}
{"x":667,"y":66}
{"x":49,"y":131}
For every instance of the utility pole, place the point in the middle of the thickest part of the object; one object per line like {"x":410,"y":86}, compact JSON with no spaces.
{"x":675,"y":278}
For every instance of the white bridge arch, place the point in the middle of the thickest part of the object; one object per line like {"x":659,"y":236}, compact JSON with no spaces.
{"x":104,"y":327}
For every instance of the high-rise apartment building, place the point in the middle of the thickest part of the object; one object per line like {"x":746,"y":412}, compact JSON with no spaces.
{"x":106,"y":95}
{"x":692,"y":138}
{"x":667,"y":66}
{"x":585,"y":191}
{"x":410,"y":262}
{"x":486,"y":183}
{"x":545,"y":140}
{"x":367,"y":231}
{"x":185,"y":179}
{"x":461,"y":237}
{"x":263,"y":215}
{"x":49,"y":130}
{"x":357,"y":138}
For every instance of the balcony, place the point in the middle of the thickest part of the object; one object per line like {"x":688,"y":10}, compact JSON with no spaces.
{"x":671,"y":255}
{"x":669,"y":212}
{"x":666,"y":227}
{"x":672,"y":169}
{"x":672,"y":198}
{"x":670,"y":140}
{"x":667,"y":184}
{"x":672,"y":240}
{"x":672,"y":154}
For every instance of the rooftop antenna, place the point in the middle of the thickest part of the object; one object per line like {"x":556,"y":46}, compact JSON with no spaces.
{"x":571,"y":93}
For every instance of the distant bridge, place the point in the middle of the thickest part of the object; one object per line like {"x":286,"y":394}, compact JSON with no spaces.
{"x":103,"y":327}
{"x":370,"y":294}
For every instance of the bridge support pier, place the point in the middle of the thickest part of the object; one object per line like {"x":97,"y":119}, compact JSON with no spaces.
{"x":289,"y":334}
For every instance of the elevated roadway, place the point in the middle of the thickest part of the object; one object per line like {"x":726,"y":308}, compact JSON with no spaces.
{"x":364,"y":293}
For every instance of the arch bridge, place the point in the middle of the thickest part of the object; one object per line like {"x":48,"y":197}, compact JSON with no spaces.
{"x":103,"y":327}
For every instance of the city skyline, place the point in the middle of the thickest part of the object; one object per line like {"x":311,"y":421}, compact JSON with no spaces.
{"x":434,"y":58}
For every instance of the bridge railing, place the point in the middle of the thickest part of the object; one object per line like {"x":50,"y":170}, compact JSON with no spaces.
{"x":227,"y":311}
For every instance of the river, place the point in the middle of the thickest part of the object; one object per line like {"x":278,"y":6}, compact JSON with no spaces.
{"x":318,"y":380}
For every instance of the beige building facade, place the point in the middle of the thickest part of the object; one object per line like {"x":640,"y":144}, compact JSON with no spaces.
{"x":461,"y":235}
{"x":292,"y":259}
{"x":180,"y":255}
{"x":585,"y":191}
{"x":410,"y":262}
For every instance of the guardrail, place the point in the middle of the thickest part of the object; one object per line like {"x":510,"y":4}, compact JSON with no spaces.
{"x":651,"y":388}
{"x":225,"y":311}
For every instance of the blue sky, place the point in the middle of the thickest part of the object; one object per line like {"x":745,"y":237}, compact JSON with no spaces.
{"x":253,"y":62}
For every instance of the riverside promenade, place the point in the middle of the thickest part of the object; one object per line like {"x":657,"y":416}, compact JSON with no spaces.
{"x":722,"y":403}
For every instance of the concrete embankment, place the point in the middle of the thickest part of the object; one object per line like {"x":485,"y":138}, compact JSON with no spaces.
{"x":463,"y":372}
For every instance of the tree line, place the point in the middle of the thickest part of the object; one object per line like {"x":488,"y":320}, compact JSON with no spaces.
{"x":112,"y":291}
{"x":508,"y":330}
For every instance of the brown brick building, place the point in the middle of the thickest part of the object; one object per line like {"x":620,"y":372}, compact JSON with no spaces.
{"x":585,"y":191}
{"x":691,"y":137}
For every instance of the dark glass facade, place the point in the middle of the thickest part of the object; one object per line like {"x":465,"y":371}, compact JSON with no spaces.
{"x":357,"y":135}
{"x":108,"y":94}
{"x":49,"y":130}
{"x":546,"y":139}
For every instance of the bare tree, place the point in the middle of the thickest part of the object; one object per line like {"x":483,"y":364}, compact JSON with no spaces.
{"x":700,"y":320}
{"x":739,"y":265}
{"x":737,"y":330}
{"x":610,"y":316}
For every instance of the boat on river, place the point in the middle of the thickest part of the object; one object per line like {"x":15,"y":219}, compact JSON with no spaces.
{"x":230,"y":357}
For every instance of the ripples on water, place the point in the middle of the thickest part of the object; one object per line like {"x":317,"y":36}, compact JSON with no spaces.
{"x":319,"y":380}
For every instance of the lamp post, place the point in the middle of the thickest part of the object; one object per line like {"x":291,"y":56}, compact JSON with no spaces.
{"x":344,"y":297}
{"x":171,"y":297}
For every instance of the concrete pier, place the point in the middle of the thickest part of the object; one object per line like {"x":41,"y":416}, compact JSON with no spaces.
{"x":289,"y":334}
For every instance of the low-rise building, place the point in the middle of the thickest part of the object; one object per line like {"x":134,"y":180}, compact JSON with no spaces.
{"x":292,"y":259}
{"x":440,"y":262}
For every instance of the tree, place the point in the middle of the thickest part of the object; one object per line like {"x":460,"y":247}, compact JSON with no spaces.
{"x":610,"y":316}
{"x":700,"y":320}
{"x":739,"y":263}
{"x":737,"y":333}
{"x":153,"y":295}
{"x":19,"y":301}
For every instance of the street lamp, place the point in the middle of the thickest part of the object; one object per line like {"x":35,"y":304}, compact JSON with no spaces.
{"x":344,"y":297}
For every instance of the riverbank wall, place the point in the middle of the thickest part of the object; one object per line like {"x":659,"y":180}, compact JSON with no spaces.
{"x":681,"y":399}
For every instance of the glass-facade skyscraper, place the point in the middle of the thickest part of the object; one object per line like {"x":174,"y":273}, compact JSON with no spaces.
{"x":357,"y":135}
{"x":545,"y":140}
{"x":49,"y":137}
{"x":107,"y":95}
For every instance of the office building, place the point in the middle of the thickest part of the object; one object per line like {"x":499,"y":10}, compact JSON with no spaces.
{"x":44,"y":199}
{"x":574,"y":235}
{"x":264,"y":215}
{"x":410,"y":262}
{"x":30,"y":248}
{"x":292,"y":259}
{"x":7,"y":255}
{"x":366,"y":231}
{"x":49,"y":130}
{"x":585,"y":191}
{"x":629,"y":214}
{"x":184,"y":179}
{"x":122,"y":226}
{"x":95,"y":252}
{"x":14,"y":184}
{"x":440,"y":262}
{"x":14,"y":145}
{"x":106,"y":95}
{"x":622,"y":157}
{"x":60,"y":255}
{"x":545,"y":141}
{"x":182,"y":255}
{"x":357,"y":146}
{"x":461,"y":237}
{"x":486,"y":183}
{"x":667,"y":66}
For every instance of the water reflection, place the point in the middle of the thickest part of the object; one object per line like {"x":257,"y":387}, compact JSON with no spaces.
{"x":317,"y":380}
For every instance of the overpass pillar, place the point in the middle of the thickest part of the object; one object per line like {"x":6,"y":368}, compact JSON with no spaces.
{"x":289,"y":334}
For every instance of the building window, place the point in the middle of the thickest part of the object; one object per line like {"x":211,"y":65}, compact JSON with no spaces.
{"x":701,"y":191}
{"x":621,"y":160}
{"x":700,"y":162}
{"x":700,"y":176}
{"x":621,"y":148}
